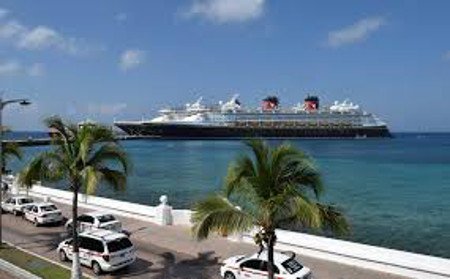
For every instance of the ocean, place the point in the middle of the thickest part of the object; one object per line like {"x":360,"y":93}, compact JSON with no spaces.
{"x":395,"y":192}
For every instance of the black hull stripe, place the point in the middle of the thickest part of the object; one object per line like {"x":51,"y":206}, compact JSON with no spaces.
{"x":215,"y":132}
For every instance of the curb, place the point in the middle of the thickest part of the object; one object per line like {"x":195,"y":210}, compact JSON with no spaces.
{"x":16,"y":271}
{"x":45,"y":259}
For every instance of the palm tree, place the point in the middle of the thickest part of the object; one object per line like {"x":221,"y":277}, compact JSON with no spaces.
{"x":10,"y":150}
{"x":83,"y":156}
{"x":278,"y":187}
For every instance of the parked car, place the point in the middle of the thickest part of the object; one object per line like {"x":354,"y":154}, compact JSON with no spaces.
{"x":95,"y":220}
{"x":42,"y":213}
{"x":102,"y":250}
{"x":16,"y":205}
{"x":255,"y":267}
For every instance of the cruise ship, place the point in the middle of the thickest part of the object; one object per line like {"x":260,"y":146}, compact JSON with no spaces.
{"x":232,"y":120}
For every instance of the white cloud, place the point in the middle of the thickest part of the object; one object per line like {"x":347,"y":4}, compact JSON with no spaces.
{"x":40,"y":37}
{"x":106,"y":109}
{"x":356,"y":32}
{"x":11,"y":30}
{"x":10,"y":68}
{"x":36,"y":70}
{"x":223,"y":11}
{"x":131,"y":58}
{"x":14,"y":68}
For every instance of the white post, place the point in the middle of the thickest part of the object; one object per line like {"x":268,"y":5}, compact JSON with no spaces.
{"x":15,"y":187}
{"x":163,"y":212}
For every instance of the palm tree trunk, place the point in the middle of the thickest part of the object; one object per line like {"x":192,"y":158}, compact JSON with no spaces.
{"x":76,"y":271}
{"x":270,"y":247}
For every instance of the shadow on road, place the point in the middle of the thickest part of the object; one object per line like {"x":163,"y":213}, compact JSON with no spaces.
{"x":202,"y":267}
{"x":139,"y":267}
{"x":48,"y":240}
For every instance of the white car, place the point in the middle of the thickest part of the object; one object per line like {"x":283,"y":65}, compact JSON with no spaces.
{"x":16,"y":205}
{"x":42,"y":213}
{"x":102,"y":250}
{"x":96,"y":220}
{"x":255,"y":267}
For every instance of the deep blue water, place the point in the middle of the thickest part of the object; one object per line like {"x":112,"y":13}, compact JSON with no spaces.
{"x":395,"y":192}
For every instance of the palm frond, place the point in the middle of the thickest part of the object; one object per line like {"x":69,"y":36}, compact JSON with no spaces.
{"x":48,"y":166}
{"x":238,"y":175}
{"x":333,"y":219}
{"x":110,"y":152}
{"x":11,"y":149}
{"x":217,"y":214}
{"x":114,"y":178}
{"x":301,"y":171}
{"x":61,"y":135}
{"x":91,"y":178}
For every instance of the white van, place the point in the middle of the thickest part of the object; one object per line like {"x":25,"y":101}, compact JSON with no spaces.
{"x":102,"y":250}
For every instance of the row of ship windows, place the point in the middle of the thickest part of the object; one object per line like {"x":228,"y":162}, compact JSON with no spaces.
{"x":288,"y":117}
{"x":292,"y":124}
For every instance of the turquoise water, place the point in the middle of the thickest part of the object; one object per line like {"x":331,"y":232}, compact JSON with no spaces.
{"x":395,"y":192}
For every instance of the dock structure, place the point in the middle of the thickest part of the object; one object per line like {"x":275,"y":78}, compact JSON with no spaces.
{"x":46,"y":141}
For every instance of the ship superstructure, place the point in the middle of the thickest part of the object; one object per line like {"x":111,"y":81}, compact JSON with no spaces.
{"x":232,"y":120}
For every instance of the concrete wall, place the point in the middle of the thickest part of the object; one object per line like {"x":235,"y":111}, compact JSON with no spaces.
{"x":407,"y":264}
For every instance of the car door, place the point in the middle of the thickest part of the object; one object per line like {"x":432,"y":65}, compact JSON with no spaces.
{"x":252,"y":269}
{"x":31,"y":213}
{"x":69,"y":250}
{"x":85,"y":247}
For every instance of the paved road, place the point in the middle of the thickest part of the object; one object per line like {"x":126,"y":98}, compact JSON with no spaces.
{"x":6,"y":275}
{"x":167,"y":252}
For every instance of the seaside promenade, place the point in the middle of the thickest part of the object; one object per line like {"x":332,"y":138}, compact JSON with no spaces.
{"x":168,"y":251}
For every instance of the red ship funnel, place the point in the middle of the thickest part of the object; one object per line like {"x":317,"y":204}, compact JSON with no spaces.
{"x":311,"y":103}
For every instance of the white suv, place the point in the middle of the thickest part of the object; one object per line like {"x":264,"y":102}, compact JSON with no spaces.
{"x":103,"y":250}
{"x":16,"y":205}
{"x":42,"y":213}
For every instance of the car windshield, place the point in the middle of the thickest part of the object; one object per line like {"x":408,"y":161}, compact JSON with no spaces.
{"x":24,"y":201}
{"x":119,"y":244}
{"x":48,"y":208}
{"x":292,"y":266}
{"x":106,"y":218}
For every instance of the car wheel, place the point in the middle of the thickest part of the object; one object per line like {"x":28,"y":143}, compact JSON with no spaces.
{"x":16,"y":213}
{"x":96,"y":268}
{"x":229,"y":275}
{"x":35,"y":222}
{"x":62,"y":256}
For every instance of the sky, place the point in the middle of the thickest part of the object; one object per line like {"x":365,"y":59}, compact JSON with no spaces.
{"x":124,"y":60}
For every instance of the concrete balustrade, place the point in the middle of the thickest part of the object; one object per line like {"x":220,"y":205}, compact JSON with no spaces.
{"x":407,"y":264}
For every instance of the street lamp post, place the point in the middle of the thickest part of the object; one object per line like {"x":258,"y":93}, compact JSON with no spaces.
{"x":3,"y":103}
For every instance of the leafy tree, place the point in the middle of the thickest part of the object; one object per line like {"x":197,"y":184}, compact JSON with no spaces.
{"x":83,"y":156}
{"x":274,"y":188}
